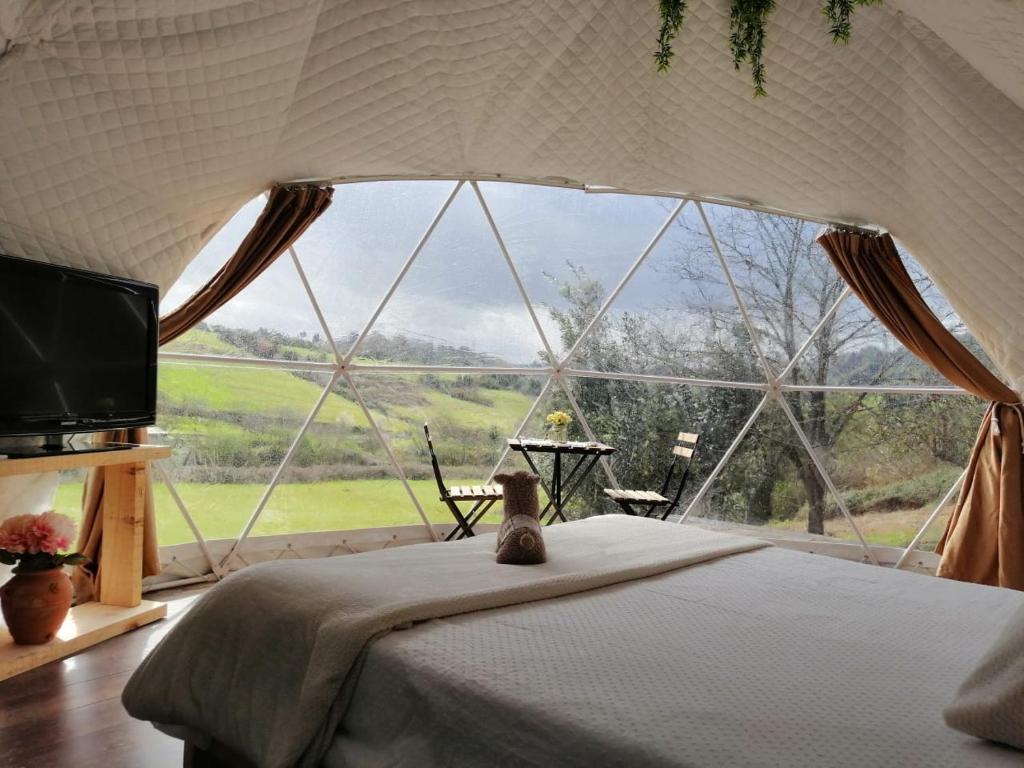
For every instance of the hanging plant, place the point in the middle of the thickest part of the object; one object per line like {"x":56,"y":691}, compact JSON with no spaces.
{"x":672,"y":12}
{"x":748,"y":22}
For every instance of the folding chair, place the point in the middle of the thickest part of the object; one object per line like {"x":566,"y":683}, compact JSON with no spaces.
{"x":483,"y":497}
{"x":652,"y":501}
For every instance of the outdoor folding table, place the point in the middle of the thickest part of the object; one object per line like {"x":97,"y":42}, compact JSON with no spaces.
{"x":562,"y":488}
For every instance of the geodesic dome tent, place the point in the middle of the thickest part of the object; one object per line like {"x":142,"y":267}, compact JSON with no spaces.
{"x":132,"y":133}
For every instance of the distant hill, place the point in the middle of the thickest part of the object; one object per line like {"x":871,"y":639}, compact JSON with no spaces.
{"x":895,"y":365}
{"x":235,"y":423}
{"x":271,"y":344}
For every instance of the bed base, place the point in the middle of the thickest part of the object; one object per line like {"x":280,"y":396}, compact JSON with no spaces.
{"x":215,"y":755}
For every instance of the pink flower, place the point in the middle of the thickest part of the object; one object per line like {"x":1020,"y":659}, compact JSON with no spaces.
{"x":13,"y":533}
{"x":49,"y":532}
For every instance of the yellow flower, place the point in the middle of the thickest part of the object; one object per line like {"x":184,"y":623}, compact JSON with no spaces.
{"x":558,"y":419}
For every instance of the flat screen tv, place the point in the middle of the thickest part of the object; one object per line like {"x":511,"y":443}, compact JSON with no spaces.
{"x":77,"y":350}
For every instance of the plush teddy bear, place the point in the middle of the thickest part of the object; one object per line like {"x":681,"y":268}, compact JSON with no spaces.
{"x":519,"y":538}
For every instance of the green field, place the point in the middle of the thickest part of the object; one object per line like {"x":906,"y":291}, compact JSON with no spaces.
{"x":888,"y":529}
{"x":236,"y":390}
{"x":220,"y":511}
{"x":397,"y":401}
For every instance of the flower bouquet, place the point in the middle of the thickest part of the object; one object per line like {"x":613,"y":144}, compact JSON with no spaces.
{"x":38,"y":596}
{"x":558,"y":425}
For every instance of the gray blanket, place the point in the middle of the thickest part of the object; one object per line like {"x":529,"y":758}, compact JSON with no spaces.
{"x":771,"y":659}
{"x":260,"y":663}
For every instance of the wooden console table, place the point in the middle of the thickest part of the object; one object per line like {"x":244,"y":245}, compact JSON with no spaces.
{"x":120,"y":607}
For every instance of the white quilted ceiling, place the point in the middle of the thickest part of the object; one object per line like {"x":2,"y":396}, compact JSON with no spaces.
{"x":130,"y":130}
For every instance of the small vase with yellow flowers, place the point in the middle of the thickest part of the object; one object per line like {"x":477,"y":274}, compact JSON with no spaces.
{"x":558,"y":426}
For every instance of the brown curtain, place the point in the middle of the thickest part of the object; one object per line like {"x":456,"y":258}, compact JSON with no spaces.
{"x":984,"y":538}
{"x":288,"y":213}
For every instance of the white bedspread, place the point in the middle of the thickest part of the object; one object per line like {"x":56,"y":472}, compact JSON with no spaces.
{"x":260,"y":663}
{"x":772,"y":658}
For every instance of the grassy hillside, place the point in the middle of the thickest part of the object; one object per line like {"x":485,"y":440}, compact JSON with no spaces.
{"x":221,"y":510}
{"x":230,"y":427}
{"x":893,"y":529}
{"x":234,"y":391}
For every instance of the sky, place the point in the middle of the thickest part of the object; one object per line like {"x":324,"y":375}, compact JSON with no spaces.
{"x":459,"y":290}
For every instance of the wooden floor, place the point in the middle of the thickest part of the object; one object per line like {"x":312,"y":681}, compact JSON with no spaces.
{"x":69,"y":713}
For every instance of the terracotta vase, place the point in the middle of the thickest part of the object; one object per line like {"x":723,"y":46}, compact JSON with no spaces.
{"x":35,"y":604}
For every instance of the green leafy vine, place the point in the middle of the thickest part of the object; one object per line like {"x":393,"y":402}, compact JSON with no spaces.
{"x":838,"y":13}
{"x":672,"y":12}
{"x":748,"y":20}
{"x":748,"y":24}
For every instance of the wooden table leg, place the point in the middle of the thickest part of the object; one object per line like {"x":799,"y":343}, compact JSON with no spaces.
{"x":124,"y":503}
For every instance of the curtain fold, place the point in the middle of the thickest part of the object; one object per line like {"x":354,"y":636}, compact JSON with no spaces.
{"x":288,"y":213}
{"x":984,"y":538}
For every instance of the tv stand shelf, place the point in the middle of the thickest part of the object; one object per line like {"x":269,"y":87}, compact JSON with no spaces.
{"x":81,"y":459}
{"x":120,"y":607}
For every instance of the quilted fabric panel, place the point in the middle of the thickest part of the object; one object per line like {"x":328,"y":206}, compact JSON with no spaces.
{"x":987,"y":33}
{"x":130,"y":131}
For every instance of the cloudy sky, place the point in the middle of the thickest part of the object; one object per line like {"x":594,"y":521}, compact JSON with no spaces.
{"x":460,"y":290}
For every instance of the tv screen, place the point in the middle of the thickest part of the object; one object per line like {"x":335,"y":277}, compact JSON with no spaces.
{"x":77,"y":350}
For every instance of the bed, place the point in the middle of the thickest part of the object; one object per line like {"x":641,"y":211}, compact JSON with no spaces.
{"x":739,"y":656}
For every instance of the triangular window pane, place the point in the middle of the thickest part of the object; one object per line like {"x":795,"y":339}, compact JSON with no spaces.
{"x":944,"y":310}
{"x":783,"y":276}
{"x":229,"y":427}
{"x":471,"y":417}
{"x":353,"y":252}
{"x":760,"y":485}
{"x":340,"y":477}
{"x":644,"y":420}
{"x":271,"y":318}
{"x":892,"y":457}
{"x":675,"y":317}
{"x":788,"y":285}
{"x":458,"y":299}
{"x":855,"y":349}
{"x":213,"y":256}
{"x":559,"y":237}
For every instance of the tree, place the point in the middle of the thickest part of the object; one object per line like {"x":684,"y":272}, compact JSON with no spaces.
{"x":885,"y":451}
{"x":640,"y":419}
{"x":788,"y":287}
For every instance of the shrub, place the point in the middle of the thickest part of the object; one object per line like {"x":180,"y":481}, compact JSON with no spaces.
{"x":911,"y":493}
{"x":787,"y":498}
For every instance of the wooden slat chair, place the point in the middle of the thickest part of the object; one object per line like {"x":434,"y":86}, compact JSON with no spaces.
{"x":483,"y":496}
{"x":651,"y":502}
